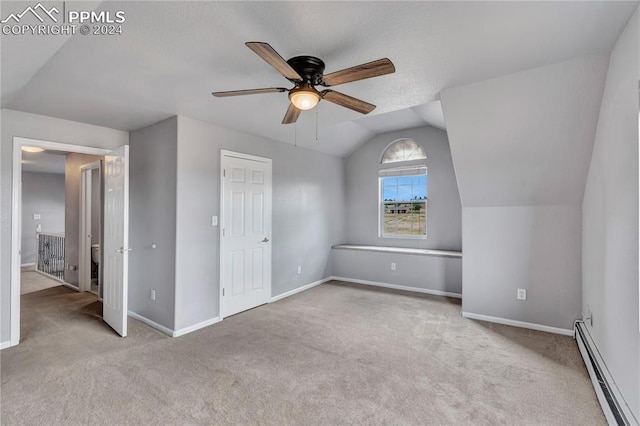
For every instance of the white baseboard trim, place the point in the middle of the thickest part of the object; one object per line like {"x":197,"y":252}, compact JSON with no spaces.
{"x":521,"y":324}
{"x":71,"y":286}
{"x":168,"y":331}
{"x":5,"y":345}
{"x":24,"y":265}
{"x":299,"y":289}
{"x":399,"y":287}
{"x":150,"y":323}
{"x":195,"y":327}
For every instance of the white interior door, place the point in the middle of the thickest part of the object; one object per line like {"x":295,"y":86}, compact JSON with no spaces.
{"x":245,"y":254}
{"x":116,"y":239}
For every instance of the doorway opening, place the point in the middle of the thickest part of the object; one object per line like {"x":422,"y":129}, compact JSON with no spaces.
{"x":90,"y":272}
{"x":43,"y":220}
{"x":111,"y":228}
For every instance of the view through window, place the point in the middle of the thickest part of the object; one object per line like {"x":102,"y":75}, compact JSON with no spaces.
{"x":403,"y":195}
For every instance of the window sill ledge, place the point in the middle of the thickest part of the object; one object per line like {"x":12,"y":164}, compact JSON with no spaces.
{"x":400,"y":250}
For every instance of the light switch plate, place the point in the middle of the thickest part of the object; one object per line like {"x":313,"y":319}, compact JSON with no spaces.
{"x":214,"y":220}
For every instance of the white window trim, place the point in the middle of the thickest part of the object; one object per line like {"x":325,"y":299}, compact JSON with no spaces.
{"x":395,"y":162}
{"x":381,"y":202}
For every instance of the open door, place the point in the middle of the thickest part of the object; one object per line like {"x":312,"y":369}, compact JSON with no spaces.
{"x":115,"y":257}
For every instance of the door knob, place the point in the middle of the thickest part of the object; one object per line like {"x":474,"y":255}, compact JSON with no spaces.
{"x":123,"y":250}
{"x":266,"y":240}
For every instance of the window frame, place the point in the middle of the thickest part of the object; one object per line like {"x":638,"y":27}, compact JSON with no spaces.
{"x":405,"y":166}
{"x":410,"y":161}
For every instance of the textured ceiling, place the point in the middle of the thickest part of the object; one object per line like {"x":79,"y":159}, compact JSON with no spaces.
{"x":172,"y":55}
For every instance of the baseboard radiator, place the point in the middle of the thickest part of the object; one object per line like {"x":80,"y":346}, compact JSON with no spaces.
{"x":613,"y":405}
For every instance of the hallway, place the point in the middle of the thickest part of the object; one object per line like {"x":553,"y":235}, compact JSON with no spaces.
{"x":31,"y":281}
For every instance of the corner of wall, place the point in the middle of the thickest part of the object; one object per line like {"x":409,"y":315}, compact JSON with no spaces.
{"x":610,"y":223}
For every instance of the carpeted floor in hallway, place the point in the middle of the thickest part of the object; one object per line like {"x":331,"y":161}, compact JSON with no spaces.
{"x":333,"y":355}
{"x":31,"y":281}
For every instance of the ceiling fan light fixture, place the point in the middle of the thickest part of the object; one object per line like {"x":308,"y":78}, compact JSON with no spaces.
{"x":32,"y":149}
{"x":304,"y":98}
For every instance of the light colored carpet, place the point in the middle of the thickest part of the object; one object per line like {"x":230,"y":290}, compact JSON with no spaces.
{"x":31,"y":281}
{"x":336,"y":354}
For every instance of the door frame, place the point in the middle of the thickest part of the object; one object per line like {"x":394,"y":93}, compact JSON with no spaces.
{"x":223,"y":246}
{"x":16,"y":210}
{"x":84,"y":246}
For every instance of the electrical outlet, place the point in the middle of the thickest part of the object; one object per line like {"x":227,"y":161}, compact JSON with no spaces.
{"x":153,"y":295}
{"x":393,"y":266}
{"x":522,"y":294}
{"x":36,"y":216}
{"x":299,"y":269}
{"x":587,"y":317}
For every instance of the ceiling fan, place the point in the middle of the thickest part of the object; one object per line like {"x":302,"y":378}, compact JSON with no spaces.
{"x":306,"y":72}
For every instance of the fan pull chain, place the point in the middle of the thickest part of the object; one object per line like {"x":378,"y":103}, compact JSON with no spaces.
{"x":295,"y":135}
{"x":316,"y":125}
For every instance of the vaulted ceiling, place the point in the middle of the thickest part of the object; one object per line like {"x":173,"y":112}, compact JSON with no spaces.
{"x":172,"y":55}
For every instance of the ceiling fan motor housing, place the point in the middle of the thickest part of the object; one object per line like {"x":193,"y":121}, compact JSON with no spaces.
{"x":306,"y":72}
{"x":310,"y":68}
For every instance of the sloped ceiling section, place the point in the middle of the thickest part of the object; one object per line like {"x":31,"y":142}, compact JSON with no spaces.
{"x":172,"y":55}
{"x":22,"y":57}
{"x":526,"y":139}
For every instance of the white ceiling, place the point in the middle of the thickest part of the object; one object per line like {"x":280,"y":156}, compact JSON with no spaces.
{"x":22,"y":57}
{"x":172,"y":55}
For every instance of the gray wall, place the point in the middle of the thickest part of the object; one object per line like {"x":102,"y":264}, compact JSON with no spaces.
{"x":521,"y":146}
{"x":15,"y":123}
{"x":152,"y":216}
{"x":443,"y":211}
{"x":422,"y":272}
{"x":532,"y":247}
{"x":43,"y":194}
{"x":610,"y":221}
{"x":73,"y":186}
{"x":308,"y":214}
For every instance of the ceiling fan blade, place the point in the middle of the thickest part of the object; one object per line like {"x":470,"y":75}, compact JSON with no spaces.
{"x":360,"y":72}
{"x":347,"y":101}
{"x":248,"y":92}
{"x":266,"y":52}
{"x":291,"y":115}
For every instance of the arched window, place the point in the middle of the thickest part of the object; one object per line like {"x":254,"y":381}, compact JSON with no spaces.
{"x":403,"y":150}
{"x":403,"y":191}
